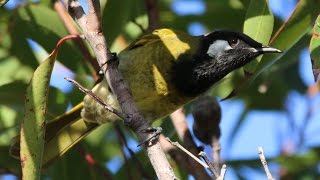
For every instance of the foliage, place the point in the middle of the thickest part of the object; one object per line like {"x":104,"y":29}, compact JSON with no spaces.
{"x":40,"y":23}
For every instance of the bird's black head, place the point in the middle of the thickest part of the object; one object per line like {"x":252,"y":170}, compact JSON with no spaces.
{"x":220,"y":53}
{"x":230,"y":50}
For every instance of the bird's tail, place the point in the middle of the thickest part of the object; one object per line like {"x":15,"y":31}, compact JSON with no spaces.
{"x":65,"y":131}
{"x":62,"y":133}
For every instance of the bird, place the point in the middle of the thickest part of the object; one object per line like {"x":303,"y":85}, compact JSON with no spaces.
{"x":167,"y":69}
{"x":164,"y":70}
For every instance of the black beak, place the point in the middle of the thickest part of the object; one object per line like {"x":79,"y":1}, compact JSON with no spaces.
{"x":268,"y":49}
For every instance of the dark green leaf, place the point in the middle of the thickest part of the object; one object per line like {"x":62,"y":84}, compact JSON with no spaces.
{"x":13,"y":94}
{"x":31,"y":21}
{"x":116,"y":16}
{"x":74,"y":166}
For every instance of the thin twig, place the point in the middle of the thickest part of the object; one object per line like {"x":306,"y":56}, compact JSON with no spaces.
{"x":211,"y":166}
{"x":97,"y":99}
{"x":264,"y":163}
{"x":222,"y":172}
{"x":187,"y":152}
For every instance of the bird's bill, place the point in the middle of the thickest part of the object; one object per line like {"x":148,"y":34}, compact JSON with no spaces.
{"x":265,"y":49}
{"x":268,"y":49}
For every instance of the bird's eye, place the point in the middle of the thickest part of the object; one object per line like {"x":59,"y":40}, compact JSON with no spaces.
{"x":233,"y":42}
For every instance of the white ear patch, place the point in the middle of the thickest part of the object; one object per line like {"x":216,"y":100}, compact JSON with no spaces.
{"x":218,"y":47}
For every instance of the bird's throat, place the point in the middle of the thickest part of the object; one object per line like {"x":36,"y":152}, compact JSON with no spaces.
{"x":192,"y":78}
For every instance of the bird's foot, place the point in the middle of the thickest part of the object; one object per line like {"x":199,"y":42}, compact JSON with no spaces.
{"x":112,"y":58}
{"x":154,"y":135}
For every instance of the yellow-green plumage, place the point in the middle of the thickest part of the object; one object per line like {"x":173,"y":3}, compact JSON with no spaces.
{"x":146,"y":66}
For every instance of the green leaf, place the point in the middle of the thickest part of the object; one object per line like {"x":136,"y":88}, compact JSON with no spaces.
{"x":33,"y":125}
{"x":57,"y":104}
{"x":291,"y":32}
{"x":8,"y":123}
{"x":298,"y":25}
{"x":12,"y":70}
{"x":8,"y":162}
{"x":12,"y":94}
{"x":115,"y":17}
{"x":315,"y":48}
{"x":31,"y":21}
{"x":32,"y":133}
{"x":74,"y":166}
{"x":259,"y":26}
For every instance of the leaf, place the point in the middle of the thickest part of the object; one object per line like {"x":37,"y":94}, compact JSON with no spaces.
{"x":115,"y":17}
{"x":31,"y":22}
{"x":11,"y":70}
{"x":8,"y":162}
{"x":74,"y":166}
{"x":291,"y":31}
{"x":315,"y":48}
{"x":12,"y":94}
{"x":32,"y":133}
{"x":259,"y":26}
{"x":298,"y":24}
{"x":33,"y":125}
{"x":57,"y":104}
{"x":218,"y":15}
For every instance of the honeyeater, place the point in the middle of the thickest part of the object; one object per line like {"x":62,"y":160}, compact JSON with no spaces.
{"x":164,"y":70}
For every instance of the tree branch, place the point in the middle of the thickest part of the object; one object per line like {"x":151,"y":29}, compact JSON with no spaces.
{"x":91,"y":27}
{"x":63,"y":14}
{"x":153,"y":14}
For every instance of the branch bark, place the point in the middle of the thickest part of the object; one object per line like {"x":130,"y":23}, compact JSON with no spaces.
{"x":91,"y":27}
{"x":179,"y":122}
{"x":70,"y":26}
{"x":153,"y":14}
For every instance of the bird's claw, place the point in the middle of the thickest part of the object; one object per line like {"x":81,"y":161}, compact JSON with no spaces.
{"x":112,"y":58}
{"x":155,"y":133}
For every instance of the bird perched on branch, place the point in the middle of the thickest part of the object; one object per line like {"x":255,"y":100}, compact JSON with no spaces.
{"x":164,"y":70}
{"x":167,"y":69}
